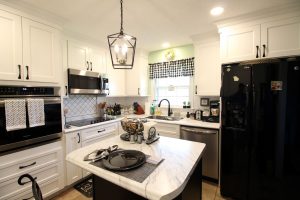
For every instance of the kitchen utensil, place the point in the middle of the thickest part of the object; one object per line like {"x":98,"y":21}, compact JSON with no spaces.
{"x":124,"y":160}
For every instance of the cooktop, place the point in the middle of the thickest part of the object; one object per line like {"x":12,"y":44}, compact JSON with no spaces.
{"x":89,"y":121}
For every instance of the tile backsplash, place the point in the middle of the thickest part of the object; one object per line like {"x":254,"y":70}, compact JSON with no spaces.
{"x":85,"y":106}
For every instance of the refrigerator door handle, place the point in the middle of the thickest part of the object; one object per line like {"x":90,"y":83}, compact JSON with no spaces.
{"x":247,"y":104}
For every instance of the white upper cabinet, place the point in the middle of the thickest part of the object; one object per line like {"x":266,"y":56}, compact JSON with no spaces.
{"x":10,"y":46}
{"x":137,"y":77}
{"x":239,"y":43}
{"x":77,"y":56}
{"x":262,"y":39}
{"x":40,"y":51}
{"x":116,"y":78}
{"x":86,"y":58}
{"x":207,"y":77}
{"x":281,"y":38}
{"x":29,"y":51}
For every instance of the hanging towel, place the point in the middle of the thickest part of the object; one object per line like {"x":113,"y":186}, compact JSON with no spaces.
{"x":15,"y":114}
{"x":36,"y":112}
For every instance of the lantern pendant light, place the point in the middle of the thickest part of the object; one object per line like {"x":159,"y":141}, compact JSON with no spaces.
{"x":122,"y":47}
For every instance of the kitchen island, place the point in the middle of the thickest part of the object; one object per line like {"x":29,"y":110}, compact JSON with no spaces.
{"x":177,"y":177}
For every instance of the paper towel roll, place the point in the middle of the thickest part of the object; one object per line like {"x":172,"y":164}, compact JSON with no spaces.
{"x":147,"y":126}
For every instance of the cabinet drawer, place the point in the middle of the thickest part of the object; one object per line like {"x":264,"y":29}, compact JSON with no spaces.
{"x":46,"y":174}
{"x":48,"y":188}
{"x":23,"y":165}
{"x":100,"y":131}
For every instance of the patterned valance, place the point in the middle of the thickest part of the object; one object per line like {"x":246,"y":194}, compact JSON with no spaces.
{"x":176,"y":68}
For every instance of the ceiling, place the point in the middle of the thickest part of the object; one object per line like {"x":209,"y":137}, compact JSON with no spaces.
{"x":151,"y":21}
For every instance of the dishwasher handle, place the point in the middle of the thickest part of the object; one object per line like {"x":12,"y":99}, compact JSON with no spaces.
{"x":200,"y":131}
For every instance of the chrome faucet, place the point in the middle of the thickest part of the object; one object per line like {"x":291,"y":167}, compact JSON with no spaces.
{"x":169,"y":109}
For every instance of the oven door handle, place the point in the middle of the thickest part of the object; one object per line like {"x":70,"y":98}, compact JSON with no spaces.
{"x":204,"y":132}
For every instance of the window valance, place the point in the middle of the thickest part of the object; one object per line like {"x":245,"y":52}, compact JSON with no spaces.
{"x":176,"y":68}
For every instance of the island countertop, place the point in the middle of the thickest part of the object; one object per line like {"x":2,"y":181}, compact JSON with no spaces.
{"x":169,"y":178}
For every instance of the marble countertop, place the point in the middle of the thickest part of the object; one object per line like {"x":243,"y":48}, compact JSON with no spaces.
{"x":169,"y":178}
{"x":183,"y":122}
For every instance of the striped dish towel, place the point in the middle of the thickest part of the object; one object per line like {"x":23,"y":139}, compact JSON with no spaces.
{"x":15,"y":114}
{"x":36,"y":112}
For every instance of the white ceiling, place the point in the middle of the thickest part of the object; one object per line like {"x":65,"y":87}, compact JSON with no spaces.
{"x":151,"y":21}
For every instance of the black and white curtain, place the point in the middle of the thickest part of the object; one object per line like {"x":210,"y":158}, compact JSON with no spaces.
{"x":176,"y":68}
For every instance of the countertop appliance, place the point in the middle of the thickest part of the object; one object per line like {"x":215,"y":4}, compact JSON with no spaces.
{"x":213,"y":112}
{"x":260,"y":129}
{"x":28,"y":136}
{"x":86,"y":82}
{"x":210,"y":162}
{"x":89,"y":121}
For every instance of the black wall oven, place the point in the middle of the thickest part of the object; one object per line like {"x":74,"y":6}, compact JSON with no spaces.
{"x":52,"y":128}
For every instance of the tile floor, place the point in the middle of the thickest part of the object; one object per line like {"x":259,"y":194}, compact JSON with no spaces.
{"x":210,"y":191}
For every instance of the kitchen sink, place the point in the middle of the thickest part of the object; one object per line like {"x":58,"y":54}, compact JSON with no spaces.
{"x":165,"y":118}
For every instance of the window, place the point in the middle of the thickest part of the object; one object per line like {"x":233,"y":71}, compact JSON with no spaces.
{"x":175,"y":89}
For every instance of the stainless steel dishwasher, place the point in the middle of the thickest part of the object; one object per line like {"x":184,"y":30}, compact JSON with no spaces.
{"x":210,"y":158}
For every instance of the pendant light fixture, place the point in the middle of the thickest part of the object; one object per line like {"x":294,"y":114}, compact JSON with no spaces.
{"x":122,"y":47}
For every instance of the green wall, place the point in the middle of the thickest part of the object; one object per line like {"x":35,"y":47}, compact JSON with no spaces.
{"x":181,"y":52}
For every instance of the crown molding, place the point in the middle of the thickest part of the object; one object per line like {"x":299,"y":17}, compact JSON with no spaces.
{"x":287,"y":10}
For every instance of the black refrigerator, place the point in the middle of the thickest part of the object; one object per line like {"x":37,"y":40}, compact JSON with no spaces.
{"x":260,"y":134}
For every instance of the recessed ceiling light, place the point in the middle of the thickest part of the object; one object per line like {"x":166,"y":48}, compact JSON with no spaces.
{"x":217,"y":11}
{"x":166,"y":45}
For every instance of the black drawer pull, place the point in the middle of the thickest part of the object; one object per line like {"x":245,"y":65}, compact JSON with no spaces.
{"x":22,"y":167}
{"x":78,"y":138}
{"x":91,"y":66}
{"x":88,"y":66}
{"x":102,"y":130}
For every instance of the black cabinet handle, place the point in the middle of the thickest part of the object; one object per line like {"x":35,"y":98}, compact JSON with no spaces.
{"x":66,"y":90}
{"x":264,"y":52}
{"x":196,"y":88}
{"x":19,"y":77}
{"x":257,"y":49}
{"x":27,"y":69}
{"x":139,"y":91}
{"x":88,"y":66}
{"x":91,"y":66}
{"x":78,"y":138}
{"x":22,"y":167}
{"x":102,"y":130}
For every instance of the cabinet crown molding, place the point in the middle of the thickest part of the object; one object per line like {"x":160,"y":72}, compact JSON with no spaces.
{"x":263,"y":15}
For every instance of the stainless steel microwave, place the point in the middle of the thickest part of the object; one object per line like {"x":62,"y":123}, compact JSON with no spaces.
{"x":86,"y":82}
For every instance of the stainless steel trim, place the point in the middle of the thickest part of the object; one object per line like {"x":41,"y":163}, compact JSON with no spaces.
{"x":32,"y":141}
{"x":200,"y":131}
{"x":85,"y":91}
{"x":47,"y":100}
{"x":83,"y":73}
{"x":56,"y":91}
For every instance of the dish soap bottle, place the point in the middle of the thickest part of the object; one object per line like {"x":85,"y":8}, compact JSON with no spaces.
{"x":152,"y":108}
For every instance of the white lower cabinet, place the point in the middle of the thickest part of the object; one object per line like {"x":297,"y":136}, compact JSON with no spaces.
{"x":85,"y":137}
{"x":168,"y":130}
{"x":44,"y":163}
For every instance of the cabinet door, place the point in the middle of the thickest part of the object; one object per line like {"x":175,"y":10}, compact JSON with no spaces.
{"x":239,"y":44}
{"x":116,"y":78}
{"x":41,"y":51}
{"x":77,"y":56}
{"x":10,"y":46}
{"x":282,"y":38}
{"x":168,"y":130}
{"x":97,"y":60}
{"x":73,"y":142}
{"x":137,"y":77}
{"x":207,"y":69}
